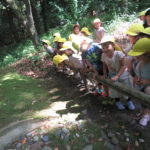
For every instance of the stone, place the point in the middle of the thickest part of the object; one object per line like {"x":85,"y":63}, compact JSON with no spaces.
{"x":141,"y":140}
{"x":110,"y":134}
{"x":45,"y":138}
{"x":88,"y":147}
{"x":25,"y":147}
{"x":35,"y":146}
{"x":18,"y":145}
{"x":46,"y":148}
{"x":65,"y":130}
{"x":114,"y":140}
{"x":35,"y":138}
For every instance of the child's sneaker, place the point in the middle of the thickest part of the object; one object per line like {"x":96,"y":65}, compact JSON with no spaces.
{"x":131,"y":105}
{"x":119,"y":105}
{"x":144,"y":120}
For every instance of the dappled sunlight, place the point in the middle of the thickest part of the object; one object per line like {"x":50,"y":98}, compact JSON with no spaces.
{"x":53,"y":90}
{"x":54,"y":97}
{"x":51,"y":111}
{"x":12,"y":76}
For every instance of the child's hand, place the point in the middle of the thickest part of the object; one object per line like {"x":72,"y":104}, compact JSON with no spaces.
{"x":115,"y":78}
{"x":143,"y":82}
{"x":136,"y":80}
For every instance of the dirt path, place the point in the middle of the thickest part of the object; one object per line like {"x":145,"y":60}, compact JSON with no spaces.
{"x":70,"y":107}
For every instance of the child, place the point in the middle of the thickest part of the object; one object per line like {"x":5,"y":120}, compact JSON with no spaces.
{"x":142,"y":15}
{"x":59,"y":60}
{"x":133,"y":32}
{"x":59,"y":41}
{"x":85,"y":32}
{"x":141,"y":51}
{"x":114,"y":61}
{"x":99,"y":30}
{"x":47,"y":47}
{"x":76,"y":37}
{"x":147,"y":18}
{"x":56,"y":37}
{"x":91,"y":55}
{"x":75,"y":60}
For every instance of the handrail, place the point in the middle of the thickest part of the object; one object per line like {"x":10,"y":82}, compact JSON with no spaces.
{"x":133,"y":93}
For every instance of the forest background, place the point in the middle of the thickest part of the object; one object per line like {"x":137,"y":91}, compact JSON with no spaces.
{"x":23,"y":21}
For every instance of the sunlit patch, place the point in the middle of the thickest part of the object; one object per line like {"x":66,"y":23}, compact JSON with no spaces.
{"x":11,"y":76}
{"x":53,"y":90}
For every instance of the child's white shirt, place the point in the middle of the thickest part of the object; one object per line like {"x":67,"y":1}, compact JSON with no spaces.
{"x":113,"y":63}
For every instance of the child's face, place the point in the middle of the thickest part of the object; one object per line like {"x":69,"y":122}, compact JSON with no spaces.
{"x":68,"y":52}
{"x":60,"y":44}
{"x":148,"y":18}
{"x":132,"y":39}
{"x":45,"y":45}
{"x":142,"y":18}
{"x":97,"y":25}
{"x":108,"y":48}
{"x":76,"y":30}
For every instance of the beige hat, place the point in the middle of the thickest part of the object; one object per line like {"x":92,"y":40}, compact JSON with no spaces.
{"x":96,"y":20}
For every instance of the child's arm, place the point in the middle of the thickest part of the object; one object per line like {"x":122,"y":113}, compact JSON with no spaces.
{"x":121,"y":70}
{"x":144,"y":82}
{"x":105,"y":69}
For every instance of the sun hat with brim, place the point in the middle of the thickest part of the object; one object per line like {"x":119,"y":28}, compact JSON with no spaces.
{"x":106,"y":39}
{"x":111,"y":39}
{"x":68,"y":45}
{"x":147,"y":12}
{"x":97,"y":20}
{"x":47,"y":42}
{"x":59,"y":59}
{"x":56,"y":38}
{"x":141,"y":47}
{"x":57,"y":34}
{"x":61,"y":40}
{"x":86,"y":31}
{"x":146,"y":31}
{"x":142,"y":13}
{"x":134,"y":29}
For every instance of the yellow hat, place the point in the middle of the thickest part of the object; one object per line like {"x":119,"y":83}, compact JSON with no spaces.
{"x":47,"y":42}
{"x":61,"y":40}
{"x":56,"y":39}
{"x":86,"y":30}
{"x":146,"y":31}
{"x":57,"y":34}
{"x":141,"y":46}
{"x":59,"y":59}
{"x":96,"y":20}
{"x":142,"y":13}
{"x":135,"y":29}
{"x":68,"y":45}
{"x":108,"y":38}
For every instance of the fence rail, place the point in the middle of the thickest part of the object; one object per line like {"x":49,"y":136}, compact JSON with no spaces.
{"x":133,"y":93}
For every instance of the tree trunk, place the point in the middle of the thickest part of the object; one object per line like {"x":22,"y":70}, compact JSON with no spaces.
{"x":12,"y":26}
{"x":43,"y":12}
{"x":126,"y":6}
{"x":30,"y":23}
{"x":36,"y":17}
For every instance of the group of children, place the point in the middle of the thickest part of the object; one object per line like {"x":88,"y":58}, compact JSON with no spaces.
{"x":98,"y":54}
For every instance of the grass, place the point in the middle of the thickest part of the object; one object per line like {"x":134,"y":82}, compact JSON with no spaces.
{"x":19,"y":95}
{"x":22,"y":97}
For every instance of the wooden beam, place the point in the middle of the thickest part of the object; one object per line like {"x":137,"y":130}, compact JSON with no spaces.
{"x":131,"y":92}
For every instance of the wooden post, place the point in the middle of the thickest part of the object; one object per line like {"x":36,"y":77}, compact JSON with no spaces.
{"x":133,"y":93}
